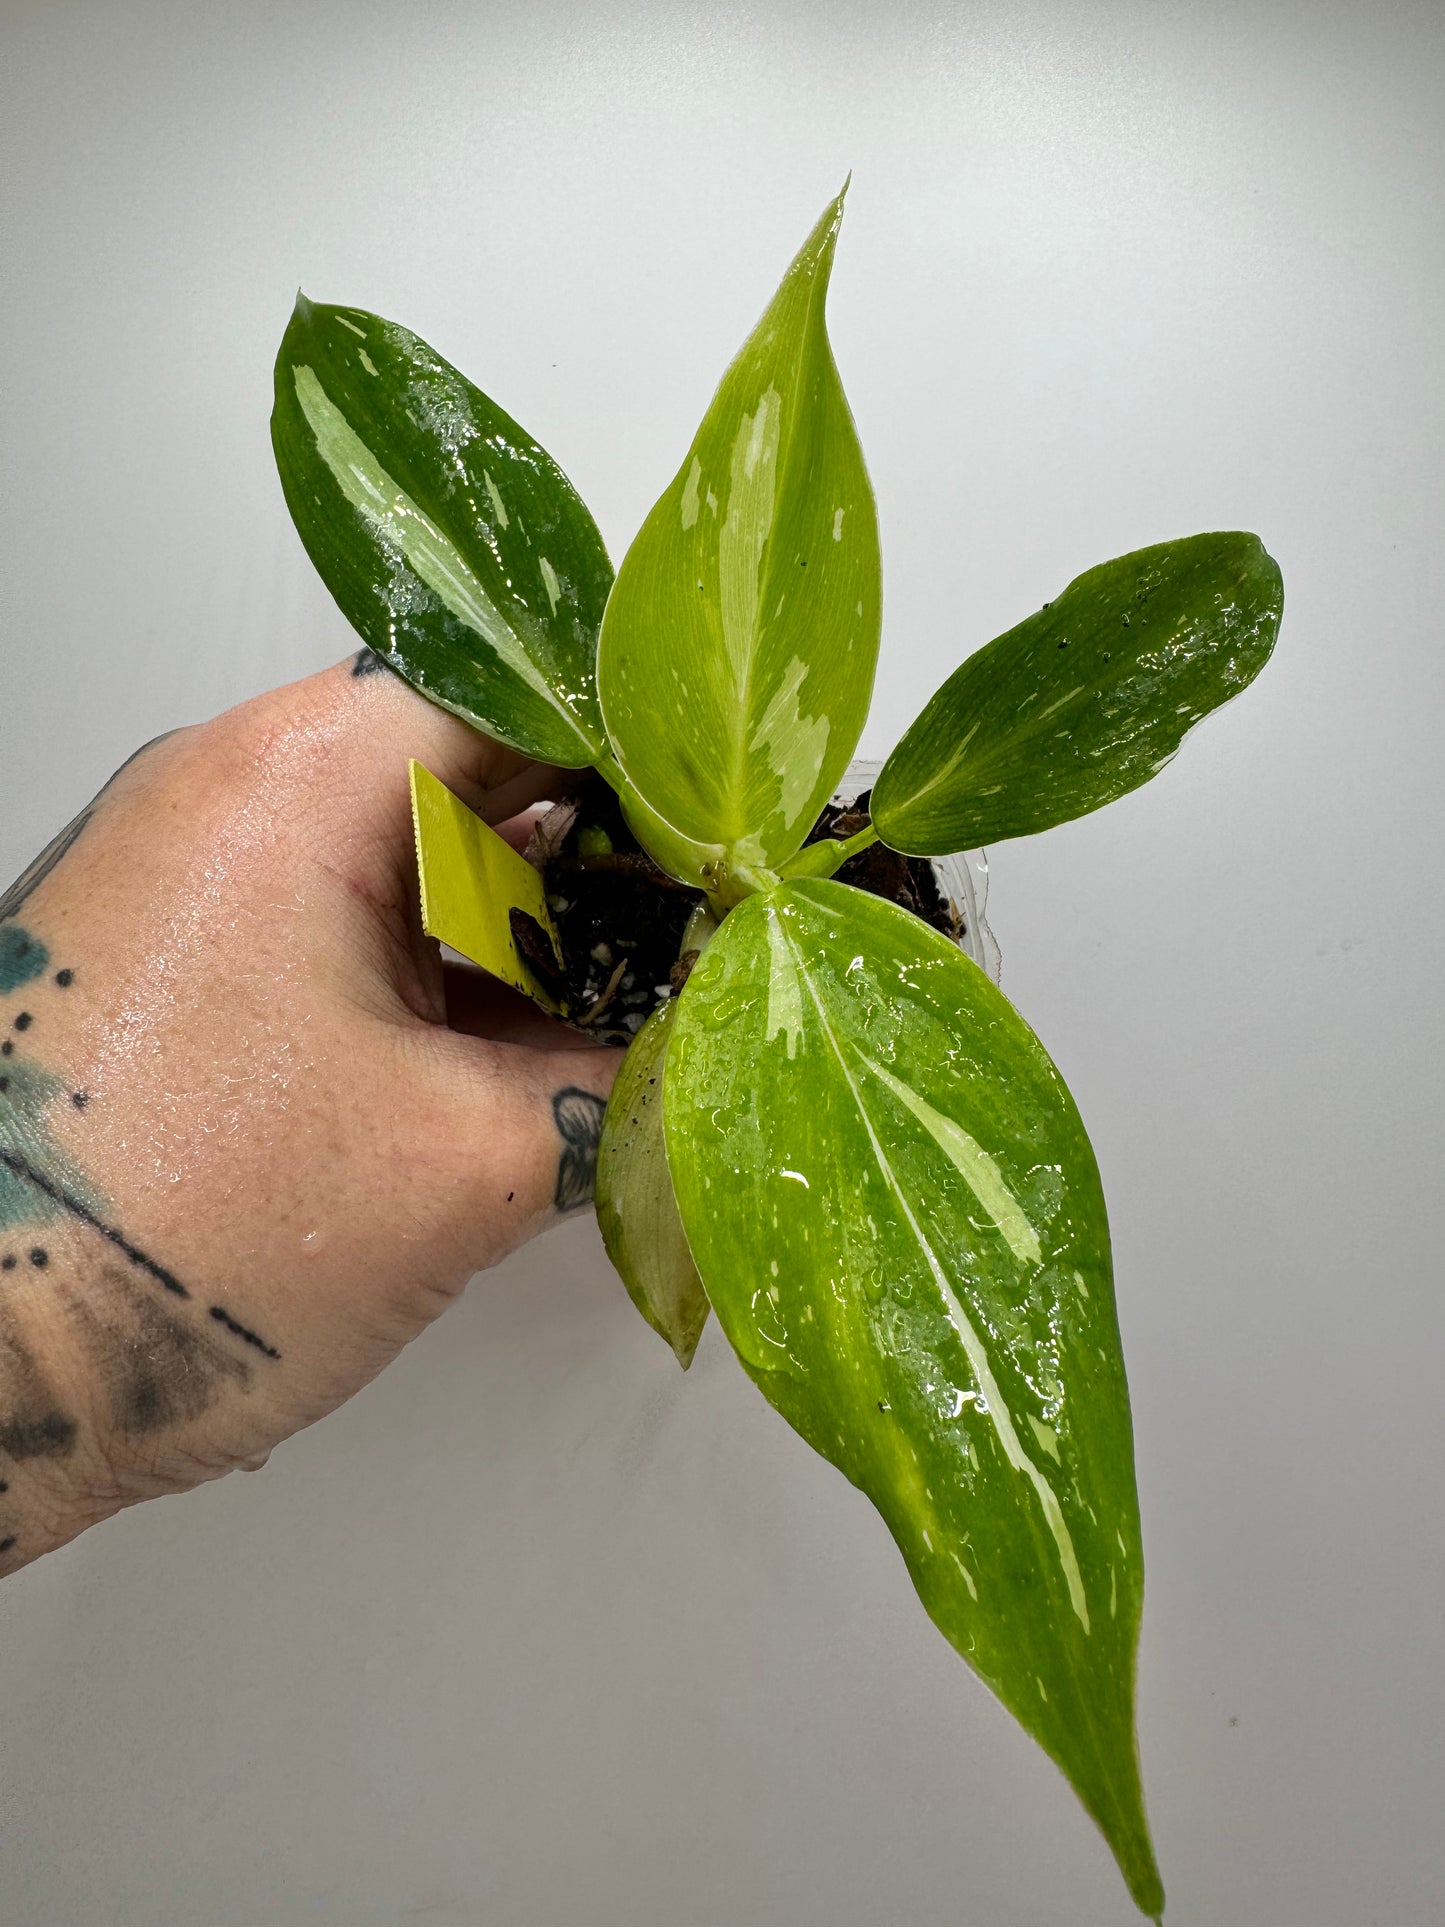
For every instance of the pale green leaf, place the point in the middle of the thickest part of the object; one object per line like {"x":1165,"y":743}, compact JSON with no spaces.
{"x":452,"y":541}
{"x":636,"y":1210}
{"x":738,"y":648}
{"x":897,"y":1217}
{"x":1085,"y":700}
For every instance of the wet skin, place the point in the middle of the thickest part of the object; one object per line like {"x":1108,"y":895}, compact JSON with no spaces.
{"x":253,"y":1136}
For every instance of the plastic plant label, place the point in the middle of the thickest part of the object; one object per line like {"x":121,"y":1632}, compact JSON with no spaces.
{"x":471,"y":879}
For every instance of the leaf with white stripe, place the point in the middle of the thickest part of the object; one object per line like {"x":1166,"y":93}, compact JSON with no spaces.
{"x":737,"y":655}
{"x":453,"y":542}
{"x":897,"y":1218}
{"x":1086,"y":699}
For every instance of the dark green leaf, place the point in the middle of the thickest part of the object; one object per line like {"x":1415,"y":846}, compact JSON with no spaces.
{"x":897,"y":1217}
{"x":454,"y":544}
{"x":1084,"y":701}
{"x":737,"y":654}
{"x":636,"y":1209}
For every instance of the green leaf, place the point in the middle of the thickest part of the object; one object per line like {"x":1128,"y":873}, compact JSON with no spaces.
{"x":897,"y":1217}
{"x":1085,"y":700}
{"x":636,"y":1209}
{"x":453,"y":543}
{"x":738,"y":649}
{"x":697,"y":864}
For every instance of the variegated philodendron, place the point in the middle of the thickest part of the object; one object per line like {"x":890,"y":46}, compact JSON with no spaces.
{"x":839,"y":1137}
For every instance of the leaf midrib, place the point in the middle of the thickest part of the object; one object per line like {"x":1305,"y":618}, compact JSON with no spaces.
{"x":999,"y":1412}
{"x":526,"y":671}
{"x":747,"y":720}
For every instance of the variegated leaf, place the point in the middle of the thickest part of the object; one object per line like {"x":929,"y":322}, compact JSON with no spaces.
{"x":898,"y":1220}
{"x":452,"y":541}
{"x":738,"y":648}
{"x":1085,"y":700}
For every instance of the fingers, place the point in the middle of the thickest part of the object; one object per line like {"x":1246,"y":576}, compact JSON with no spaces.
{"x":480,"y":1005}
{"x":319,"y":769}
{"x":512,"y":803}
{"x":491,"y":779}
{"x":492,"y":1134}
{"x":517,"y":830}
{"x":516,"y":1132}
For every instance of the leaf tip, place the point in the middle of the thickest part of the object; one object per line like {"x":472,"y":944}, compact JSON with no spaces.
{"x":1141,"y":1876}
{"x":685,"y":1336}
{"x":815,"y":257}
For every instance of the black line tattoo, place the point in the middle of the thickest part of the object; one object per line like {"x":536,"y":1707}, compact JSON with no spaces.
{"x":223,"y":1317}
{"x":367,"y":663}
{"x":34,"y":874}
{"x":150,"y":743}
{"x":579,"y":1119}
{"x":58,"y":1194}
{"x":38,"y":1180}
{"x":23,"y":1169}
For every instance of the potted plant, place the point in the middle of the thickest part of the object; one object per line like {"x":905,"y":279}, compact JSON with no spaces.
{"x":830,"y":1129}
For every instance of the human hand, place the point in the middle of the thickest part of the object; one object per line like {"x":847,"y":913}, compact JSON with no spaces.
{"x":243,"y":1157}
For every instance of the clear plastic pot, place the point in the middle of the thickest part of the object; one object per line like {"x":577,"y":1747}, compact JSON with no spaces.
{"x":962,"y":877}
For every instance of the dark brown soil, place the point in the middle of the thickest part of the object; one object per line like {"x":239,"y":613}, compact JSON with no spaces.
{"x":621,"y":919}
{"x":882,"y":872}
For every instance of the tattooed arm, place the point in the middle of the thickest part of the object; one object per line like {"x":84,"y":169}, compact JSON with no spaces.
{"x":244,"y":1157}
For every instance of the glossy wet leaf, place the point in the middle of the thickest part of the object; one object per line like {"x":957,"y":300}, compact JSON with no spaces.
{"x":1085,"y":700}
{"x":897,"y":1217}
{"x":636,"y":1210}
{"x":738,"y":649}
{"x":452,"y":541}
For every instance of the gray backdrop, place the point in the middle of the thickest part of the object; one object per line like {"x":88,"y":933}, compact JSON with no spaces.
{"x":537,"y":1630}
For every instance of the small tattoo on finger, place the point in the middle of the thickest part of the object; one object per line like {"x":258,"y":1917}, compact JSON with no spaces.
{"x":579,"y":1117}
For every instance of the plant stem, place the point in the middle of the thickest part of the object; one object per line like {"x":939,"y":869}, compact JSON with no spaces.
{"x":702,"y":927}
{"x":826,"y":857}
{"x":696,"y":864}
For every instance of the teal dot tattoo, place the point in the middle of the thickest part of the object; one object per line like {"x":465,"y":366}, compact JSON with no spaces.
{"x":22,"y":957}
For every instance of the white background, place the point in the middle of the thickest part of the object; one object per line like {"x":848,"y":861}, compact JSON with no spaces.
{"x":537,"y":1630}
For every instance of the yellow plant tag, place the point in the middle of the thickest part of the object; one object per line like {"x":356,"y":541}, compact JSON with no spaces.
{"x":470,"y":879}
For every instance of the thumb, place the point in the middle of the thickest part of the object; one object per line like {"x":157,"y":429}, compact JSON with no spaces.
{"x":516,"y":1130}
{"x":394,"y":722}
